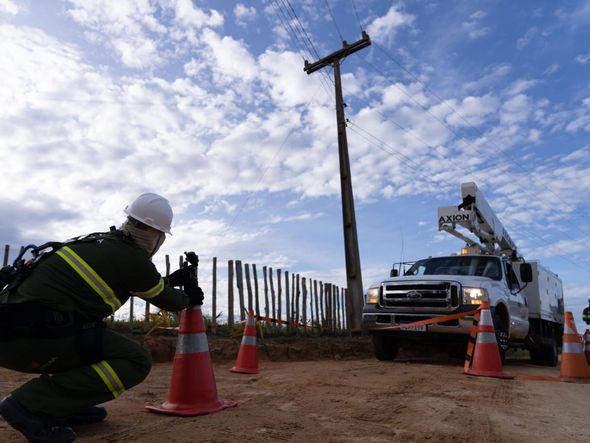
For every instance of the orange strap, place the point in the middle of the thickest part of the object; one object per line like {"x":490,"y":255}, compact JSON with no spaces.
{"x":429,"y":321}
{"x":281,"y":322}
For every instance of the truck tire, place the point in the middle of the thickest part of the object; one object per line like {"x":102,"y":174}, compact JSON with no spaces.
{"x":549,"y":353}
{"x":385,"y":347}
{"x":501,"y":329}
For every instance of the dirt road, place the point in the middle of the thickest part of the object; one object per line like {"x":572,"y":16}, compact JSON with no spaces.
{"x":351,"y":400}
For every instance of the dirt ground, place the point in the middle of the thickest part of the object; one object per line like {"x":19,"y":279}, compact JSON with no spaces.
{"x":332,"y":390}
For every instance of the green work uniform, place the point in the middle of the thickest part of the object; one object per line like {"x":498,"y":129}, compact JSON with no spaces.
{"x":89,"y":280}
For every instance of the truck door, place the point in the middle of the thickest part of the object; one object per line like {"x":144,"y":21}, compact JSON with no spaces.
{"x":516,"y":301}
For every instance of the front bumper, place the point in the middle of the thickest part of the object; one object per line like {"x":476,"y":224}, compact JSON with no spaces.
{"x":375,"y":320}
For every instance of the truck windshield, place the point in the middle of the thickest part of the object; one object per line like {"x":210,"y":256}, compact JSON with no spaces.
{"x":458,"y":265}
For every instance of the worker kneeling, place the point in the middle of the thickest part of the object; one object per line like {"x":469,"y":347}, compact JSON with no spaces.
{"x":51,"y":322}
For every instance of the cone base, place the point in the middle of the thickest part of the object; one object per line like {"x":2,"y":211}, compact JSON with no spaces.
{"x":191,"y":410}
{"x":244,"y":370}
{"x":482,"y":373}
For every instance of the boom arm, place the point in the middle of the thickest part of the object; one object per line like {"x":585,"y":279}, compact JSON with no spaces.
{"x":475,"y":215}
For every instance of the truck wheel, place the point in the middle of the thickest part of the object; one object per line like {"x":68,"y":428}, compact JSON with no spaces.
{"x":385,"y":347}
{"x":501,"y":329}
{"x":549,"y":353}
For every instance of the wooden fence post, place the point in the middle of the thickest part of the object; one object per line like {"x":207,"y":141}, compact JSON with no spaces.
{"x":293,"y":294}
{"x":297,"y":291}
{"x":272,"y":293}
{"x":266,"y":305}
{"x":248,"y":287}
{"x":311,"y":313}
{"x":322,"y":306}
{"x":214,"y":298}
{"x":6,"y":254}
{"x":318,"y":318}
{"x":230,"y":294}
{"x":338,"y":323}
{"x":240,"y":285}
{"x":279,"y":295}
{"x":287,"y":300}
{"x":131,"y":300}
{"x":256,"y":301}
{"x":304,"y":300}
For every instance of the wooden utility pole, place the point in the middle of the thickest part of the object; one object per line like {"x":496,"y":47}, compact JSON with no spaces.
{"x":351,"y":248}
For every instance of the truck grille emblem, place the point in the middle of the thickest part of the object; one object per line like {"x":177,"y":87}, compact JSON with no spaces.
{"x":413,"y":294}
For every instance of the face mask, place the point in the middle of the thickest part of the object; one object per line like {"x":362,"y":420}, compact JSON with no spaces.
{"x":148,"y":239}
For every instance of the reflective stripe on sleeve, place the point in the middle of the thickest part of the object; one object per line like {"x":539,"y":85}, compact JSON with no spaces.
{"x":90,"y":276}
{"x":109,"y":377}
{"x":153,"y":292}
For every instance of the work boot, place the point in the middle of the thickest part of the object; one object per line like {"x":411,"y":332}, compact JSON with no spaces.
{"x":93,"y":414}
{"x":36,"y":428}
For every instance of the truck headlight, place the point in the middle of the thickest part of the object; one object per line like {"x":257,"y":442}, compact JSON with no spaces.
{"x":474,"y":296}
{"x":372,"y":297}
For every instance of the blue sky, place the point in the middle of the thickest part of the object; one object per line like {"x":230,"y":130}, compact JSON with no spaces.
{"x":207,"y":103}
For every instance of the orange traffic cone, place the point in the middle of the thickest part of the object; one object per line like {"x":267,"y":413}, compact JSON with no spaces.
{"x":247,"y":361}
{"x":573,"y":361}
{"x":192,"y":388}
{"x":486,"y":358}
{"x":587,"y":340}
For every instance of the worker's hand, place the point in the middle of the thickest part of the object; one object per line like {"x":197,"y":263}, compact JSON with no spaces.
{"x":180,"y":277}
{"x":195,"y":294}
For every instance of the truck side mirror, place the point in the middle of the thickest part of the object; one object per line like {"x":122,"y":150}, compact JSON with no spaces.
{"x":393,"y":273}
{"x":526,"y":272}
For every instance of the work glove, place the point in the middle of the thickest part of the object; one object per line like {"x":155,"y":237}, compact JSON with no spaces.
{"x":180,"y":277}
{"x":195,"y":294}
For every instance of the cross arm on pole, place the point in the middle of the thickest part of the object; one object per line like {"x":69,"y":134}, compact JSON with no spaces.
{"x":340,"y":54}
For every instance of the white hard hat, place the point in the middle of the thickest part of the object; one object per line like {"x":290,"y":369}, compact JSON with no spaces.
{"x":152,"y":210}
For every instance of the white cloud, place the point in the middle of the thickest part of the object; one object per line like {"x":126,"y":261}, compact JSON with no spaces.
{"x":519,"y":86}
{"x":515,"y":110}
{"x":132,"y":28}
{"x":473,"y":26}
{"x":385,"y":27}
{"x":551,"y":69}
{"x":289,"y":84}
{"x":244,"y":14}
{"x":232,"y":60}
{"x":296,"y":217}
{"x":9,"y":7}
{"x":527,"y":38}
{"x":188,"y":15}
{"x":489,"y":78}
{"x":473,"y":110}
{"x":583,"y":58}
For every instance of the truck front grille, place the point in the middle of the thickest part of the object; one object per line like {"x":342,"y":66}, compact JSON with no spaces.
{"x":417,"y":296}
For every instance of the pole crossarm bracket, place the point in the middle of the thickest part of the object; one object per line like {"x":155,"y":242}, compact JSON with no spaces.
{"x":338,"y":55}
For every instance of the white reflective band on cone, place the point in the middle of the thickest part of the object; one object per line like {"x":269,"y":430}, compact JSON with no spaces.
{"x":573,"y":348}
{"x":192,"y":343}
{"x":249,"y":340}
{"x":568,"y":329}
{"x":251,"y":321}
{"x":486,"y":318}
{"x":486,"y":338}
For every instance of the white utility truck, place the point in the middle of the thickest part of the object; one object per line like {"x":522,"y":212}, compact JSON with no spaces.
{"x":526,"y":299}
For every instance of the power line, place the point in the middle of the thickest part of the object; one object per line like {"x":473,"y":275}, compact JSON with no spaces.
{"x":333,"y":20}
{"x":357,"y":15}
{"x":298,"y":38}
